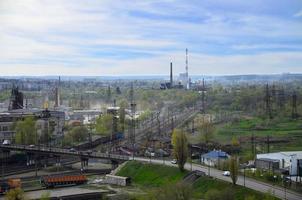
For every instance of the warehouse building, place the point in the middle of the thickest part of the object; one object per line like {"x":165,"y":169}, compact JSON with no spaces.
{"x":290,"y":161}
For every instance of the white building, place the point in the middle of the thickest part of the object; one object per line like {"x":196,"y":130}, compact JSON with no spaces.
{"x":290,"y":160}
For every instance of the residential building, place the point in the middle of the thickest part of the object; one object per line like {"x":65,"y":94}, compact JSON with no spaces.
{"x":213,"y":158}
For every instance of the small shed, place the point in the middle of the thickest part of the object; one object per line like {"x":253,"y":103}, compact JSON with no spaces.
{"x":117,"y":180}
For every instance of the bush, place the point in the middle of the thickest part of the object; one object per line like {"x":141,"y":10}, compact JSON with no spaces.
{"x":213,"y":195}
{"x":252,"y":197}
{"x":15,"y":194}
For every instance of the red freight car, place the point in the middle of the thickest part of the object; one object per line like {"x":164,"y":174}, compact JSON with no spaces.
{"x":52,"y":181}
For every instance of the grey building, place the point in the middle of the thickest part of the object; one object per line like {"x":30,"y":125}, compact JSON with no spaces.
{"x":267,"y":164}
{"x":42,"y":117}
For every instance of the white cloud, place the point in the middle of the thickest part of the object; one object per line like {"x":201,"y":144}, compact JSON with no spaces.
{"x":198,"y":64}
{"x":298,"y":14}
{"x":74,"y":37}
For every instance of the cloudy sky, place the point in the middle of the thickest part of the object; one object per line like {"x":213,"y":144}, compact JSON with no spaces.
{"x":141,"y":37}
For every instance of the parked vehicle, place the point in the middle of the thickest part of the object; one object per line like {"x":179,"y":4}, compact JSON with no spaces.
{"x":52,"y":181}
{"x":226,"y":173}
{"x":174,"y":161}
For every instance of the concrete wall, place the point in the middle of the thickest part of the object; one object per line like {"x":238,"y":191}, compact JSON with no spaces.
{"x":117,"y":180}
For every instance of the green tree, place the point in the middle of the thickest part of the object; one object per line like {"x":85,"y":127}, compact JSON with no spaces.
{"x":122,"y":115}
{"x":78,"y":133}
{"x":15,"y":194}
{"x":104,"y":124}
{"x":235,"y":142}
{"x":26,"y":131}
{"x":250,"y":197}
{"x":108,"y":93}
{"x":67,"y":140}
{"x":180,"y":147}
{"x":212,"y":194}
{"x":234,"y":169}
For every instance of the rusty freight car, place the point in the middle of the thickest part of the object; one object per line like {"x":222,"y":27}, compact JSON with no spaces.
{"x":53,"y":181}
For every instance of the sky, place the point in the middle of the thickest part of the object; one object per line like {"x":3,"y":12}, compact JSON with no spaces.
{"x":142,"y":37}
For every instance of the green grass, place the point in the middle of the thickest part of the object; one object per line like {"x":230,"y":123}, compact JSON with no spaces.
{"x":205,"y":184}
{"x":151,"y":174}
{"x":279,"y":127}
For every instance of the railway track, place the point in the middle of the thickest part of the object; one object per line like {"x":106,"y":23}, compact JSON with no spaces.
{"x":15,"y":170}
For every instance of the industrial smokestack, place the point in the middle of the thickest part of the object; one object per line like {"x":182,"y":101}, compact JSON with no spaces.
{"x":171,"y":75}
{"x":187,"y":71}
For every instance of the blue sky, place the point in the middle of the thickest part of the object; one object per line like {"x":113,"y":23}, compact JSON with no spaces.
{"x":120,"y":37}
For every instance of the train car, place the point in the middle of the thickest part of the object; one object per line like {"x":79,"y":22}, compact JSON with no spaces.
{"x":52,"y":181}
{"x":5,"y":186}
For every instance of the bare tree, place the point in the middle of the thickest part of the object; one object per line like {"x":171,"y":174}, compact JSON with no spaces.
{"x":206,"y":130}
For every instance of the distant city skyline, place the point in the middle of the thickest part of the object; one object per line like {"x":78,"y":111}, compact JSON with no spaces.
{"x":123,"y":37}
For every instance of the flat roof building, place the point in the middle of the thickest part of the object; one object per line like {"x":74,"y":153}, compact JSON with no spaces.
{"x":289,"y":160}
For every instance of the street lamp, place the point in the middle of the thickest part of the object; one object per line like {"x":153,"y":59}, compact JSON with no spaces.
{"x":244,"y":176}
{"x":191,"y":155}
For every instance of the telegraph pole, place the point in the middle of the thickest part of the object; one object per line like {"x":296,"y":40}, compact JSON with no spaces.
{"x":133,"y":107}
{"x":294,"y":106}
{"x":203,"y":96}
{"x":268,"y":143}
{"x":268,"y":102}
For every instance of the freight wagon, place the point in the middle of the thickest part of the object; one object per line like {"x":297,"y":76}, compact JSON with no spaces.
{"x":52,"y":181}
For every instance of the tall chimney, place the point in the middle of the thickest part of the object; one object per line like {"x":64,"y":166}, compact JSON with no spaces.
{"x":171,"y":75}
{"x":187,"y":71}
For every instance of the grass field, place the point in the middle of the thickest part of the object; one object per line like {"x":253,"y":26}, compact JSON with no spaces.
{"x":150,"y":176}
{"x":277,"y":128}
{"x":205,"y":184}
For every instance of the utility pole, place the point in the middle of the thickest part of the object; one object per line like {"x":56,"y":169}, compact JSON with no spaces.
{"x":133,"y":107}
{"x":294,"y":106}
{"x":203,"y":96}
{"x":191,"y":157}
{"x":268,"y":102}
{"x":90,"y":131}
{"x":268,"y":143}
{"x":158,"y":123}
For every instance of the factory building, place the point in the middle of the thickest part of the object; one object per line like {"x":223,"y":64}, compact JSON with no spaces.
{"x":289,"y":161}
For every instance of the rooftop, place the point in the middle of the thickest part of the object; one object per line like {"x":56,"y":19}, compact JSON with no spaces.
{"x":215,"y":154}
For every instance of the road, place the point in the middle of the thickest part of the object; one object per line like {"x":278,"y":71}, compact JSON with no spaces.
{"x":60,"y":151}
{"x":249,"y":183}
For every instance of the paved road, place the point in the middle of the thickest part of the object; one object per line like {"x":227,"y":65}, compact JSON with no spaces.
{"x":250,"y":183}
{"x":60,"y":151}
